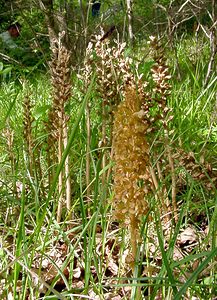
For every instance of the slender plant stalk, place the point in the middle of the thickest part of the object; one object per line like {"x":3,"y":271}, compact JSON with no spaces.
{"x":173,"y":179}
{"x":61,"y":81}
{"x":67,"y":172}
{"x":28,"y":120}
{"x":86,"y":77}
{"x":88,"y":128}
{"x":160,"y":195}
{"x":60,"y":185}
{"x":104,"y":151}
{"x":130,"y":20}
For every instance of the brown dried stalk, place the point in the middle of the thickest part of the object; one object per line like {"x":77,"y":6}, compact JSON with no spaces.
{"x":61,"y":82}
{"x":136,"y":121}
{"x":113,"y":71}
{"x":161,"y":76}
{"x":86,"y":76}
{"x":27,"y":133}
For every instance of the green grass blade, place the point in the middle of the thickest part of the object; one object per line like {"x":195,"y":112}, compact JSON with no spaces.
{"x":65,"y":154}
{"x":20,"y":237}
{"x":201,"y":267}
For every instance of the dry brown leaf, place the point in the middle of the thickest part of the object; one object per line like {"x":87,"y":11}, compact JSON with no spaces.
{"x":177,"y":254}
{"x":112,"y":267}
{"x":188,"y":236}
{"x":77,"y":272}
{"x":110,"y":296}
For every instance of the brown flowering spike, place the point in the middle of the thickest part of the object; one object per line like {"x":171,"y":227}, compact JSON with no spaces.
{"x":132,"y":181}
{"x":61,"y":83}
{"x":135,"y":121}
{"x":112,"y":73}
{"x":161,"y":77}
{"x":161,"y":118}
{"x":57,"y":123}
{"x":61,"y":77}
{"x":27,"y":123}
